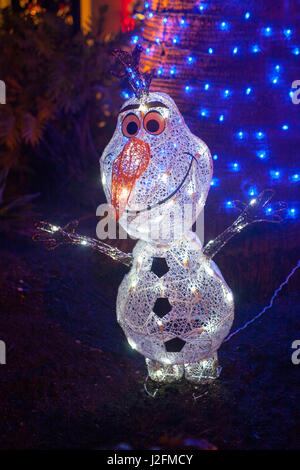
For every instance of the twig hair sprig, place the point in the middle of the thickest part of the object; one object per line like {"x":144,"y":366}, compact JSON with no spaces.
{"x":139,"y":81}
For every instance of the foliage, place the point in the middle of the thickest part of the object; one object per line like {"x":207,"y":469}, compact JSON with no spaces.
{"x":60,"y":95}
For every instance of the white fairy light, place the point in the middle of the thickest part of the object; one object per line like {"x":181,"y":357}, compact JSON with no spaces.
{"x":132,"y":344}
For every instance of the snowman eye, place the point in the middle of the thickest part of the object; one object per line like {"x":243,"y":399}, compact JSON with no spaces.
{"x":130,"y":125}
{"x":154,"y":123}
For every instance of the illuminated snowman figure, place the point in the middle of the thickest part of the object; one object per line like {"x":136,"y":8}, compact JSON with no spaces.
{"x":174,"y":306}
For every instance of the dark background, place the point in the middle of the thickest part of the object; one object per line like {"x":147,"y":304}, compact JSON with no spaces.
{"x":71,"y":380}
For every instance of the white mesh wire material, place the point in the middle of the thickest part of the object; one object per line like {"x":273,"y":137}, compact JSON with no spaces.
{"x":167,"y":198}
{"x":204,"y":371}
{"x":174,"y":305}
{"x":165,"y":374}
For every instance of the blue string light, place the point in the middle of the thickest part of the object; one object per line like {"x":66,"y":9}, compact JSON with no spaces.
{"x":292,"y":212}
{"x":276,"y":77}
{"x":261,"y":154}
{"x":287,"y":32}
{"x":267,"y":31}
{"x":252,"y":191}
{"x":240,"y":135}
{"x":259,"y":135}
{"x":190,"y":59}
{"x":275,"y":174}
{"x":214,"y":182}
{"x":224,"y":26}
{"x":255,"y":49}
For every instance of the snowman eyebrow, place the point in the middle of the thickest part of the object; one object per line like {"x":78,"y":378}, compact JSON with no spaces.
{"x":152,"y":104}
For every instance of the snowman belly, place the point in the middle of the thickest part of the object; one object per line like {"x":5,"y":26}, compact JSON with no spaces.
{"x":174,"y":305}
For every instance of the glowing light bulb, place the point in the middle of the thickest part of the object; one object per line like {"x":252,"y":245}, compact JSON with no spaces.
{"x":224,"y":26}
{"x":292,"y":212}
{"x":259,"y":135}
{"x":209,"y":270}
{"x":255,"y":49}
{"x":143,"y":108}
{"x":131,"y":343}
{"x":54,"y":228}
{"x":267,"y":31}
{"x":261,"y":154}
{"x":287,"y":32}
{"x":83,"y":242}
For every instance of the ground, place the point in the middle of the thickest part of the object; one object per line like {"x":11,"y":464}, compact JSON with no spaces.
{"x":71,"y":380}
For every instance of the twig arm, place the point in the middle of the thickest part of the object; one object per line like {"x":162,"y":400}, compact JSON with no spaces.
{"x":257,"y":210}
{"x":53,"y":236}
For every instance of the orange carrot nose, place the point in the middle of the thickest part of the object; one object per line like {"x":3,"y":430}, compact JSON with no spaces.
{"x":129,"y":165}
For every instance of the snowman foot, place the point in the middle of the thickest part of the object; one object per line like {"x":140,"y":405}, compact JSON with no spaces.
{"x":204,"y":371}
{"x":164,"y":373}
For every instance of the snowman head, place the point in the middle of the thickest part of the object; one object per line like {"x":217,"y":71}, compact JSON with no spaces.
{"x":155,"y":172}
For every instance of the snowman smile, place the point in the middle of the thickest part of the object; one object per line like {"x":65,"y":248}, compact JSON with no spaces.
{"x":167,"y":198}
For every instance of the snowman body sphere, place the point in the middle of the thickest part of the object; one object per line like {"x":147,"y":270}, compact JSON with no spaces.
{"x":174,"y":306}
